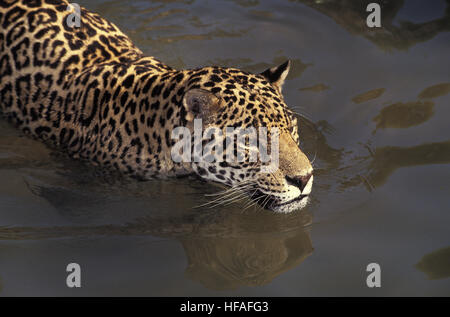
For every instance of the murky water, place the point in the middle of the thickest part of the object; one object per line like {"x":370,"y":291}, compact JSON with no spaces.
{"x":377,"y":113}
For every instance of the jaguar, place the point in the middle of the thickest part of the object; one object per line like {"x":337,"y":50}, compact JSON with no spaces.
{"x":88,"y":91}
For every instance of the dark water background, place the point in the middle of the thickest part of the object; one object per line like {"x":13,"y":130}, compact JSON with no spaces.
{"x":377,"y":113}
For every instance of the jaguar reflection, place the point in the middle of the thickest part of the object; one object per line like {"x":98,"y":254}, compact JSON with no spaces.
{"x":223,"y":250}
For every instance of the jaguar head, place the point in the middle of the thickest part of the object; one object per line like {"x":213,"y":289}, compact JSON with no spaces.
{"x":225,"y":103}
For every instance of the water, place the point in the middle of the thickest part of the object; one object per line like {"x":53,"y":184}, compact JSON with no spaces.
{"x":377,"y":113}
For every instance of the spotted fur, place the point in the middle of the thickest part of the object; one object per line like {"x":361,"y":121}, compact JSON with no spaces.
{"x":92,"y":93}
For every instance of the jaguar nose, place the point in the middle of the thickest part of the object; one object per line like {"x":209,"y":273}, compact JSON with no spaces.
{"x":299,"y":181}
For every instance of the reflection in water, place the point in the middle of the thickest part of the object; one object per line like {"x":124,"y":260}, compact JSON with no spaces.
{"x":385,"y":160}
{"x":435,"y":91}
{"x":436,"y":265}
{"x":315,"y":88}
{"x":404,"y":115}
{"x":225,"y":249}
{"x":373,"y":170}
{"x":242,"y":259}
{"x":351,"y":15}
{"x":246,"y":3}
{"x":17,"y":150}
{"x":369,"y":95}
{"x":314,"y":142}
{"x":263,"y":14}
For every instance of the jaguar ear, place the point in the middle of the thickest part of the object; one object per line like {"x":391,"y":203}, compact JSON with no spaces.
{"x":200,"y":104}
{"x":277,"y":75}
